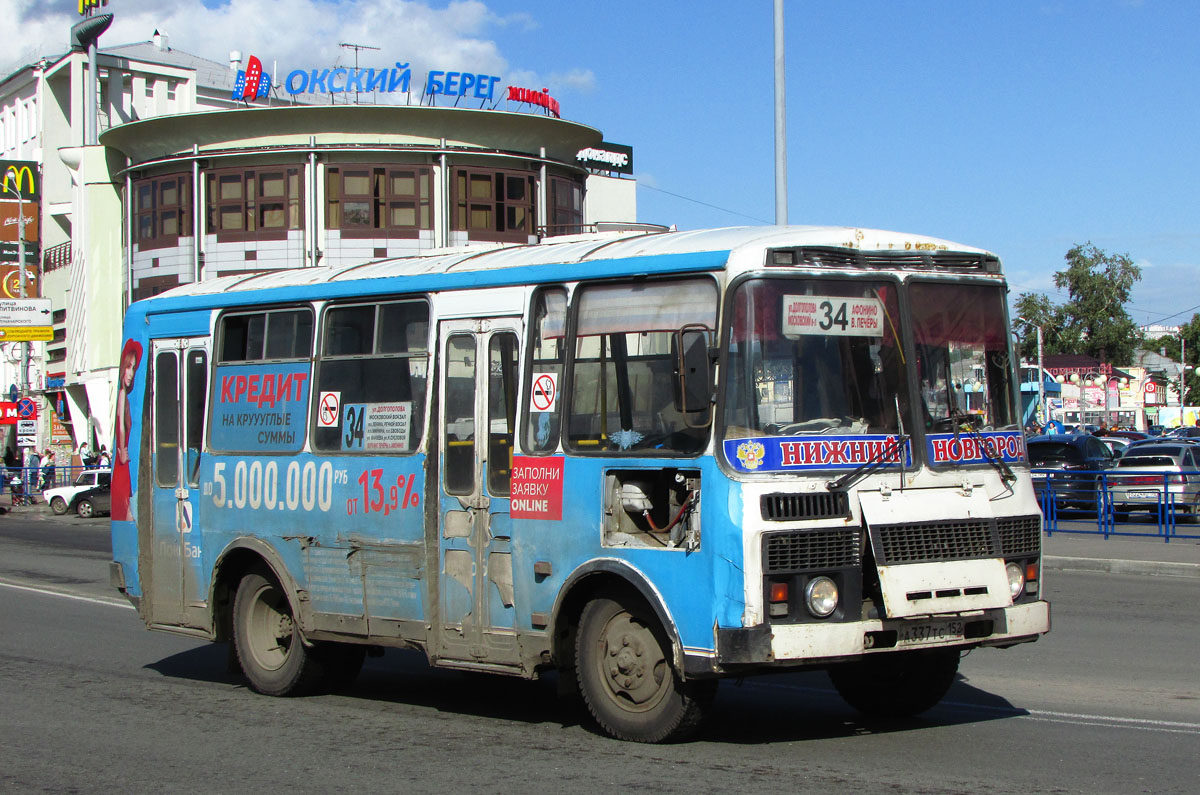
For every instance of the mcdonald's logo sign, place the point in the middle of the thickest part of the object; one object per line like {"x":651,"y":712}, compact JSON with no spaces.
{"x":20,"y":177}
{"x":87,"y":5}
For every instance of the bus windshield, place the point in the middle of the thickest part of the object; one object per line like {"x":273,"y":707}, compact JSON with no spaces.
{"x":962,"y":356}
{"x":814,"y":356}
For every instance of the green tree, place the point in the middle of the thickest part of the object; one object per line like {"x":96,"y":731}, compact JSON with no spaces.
{"x":1093,"y":320}
{"x":1169,"y":347}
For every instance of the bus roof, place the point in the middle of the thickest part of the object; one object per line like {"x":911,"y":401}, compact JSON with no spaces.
{"x":736,"y":246}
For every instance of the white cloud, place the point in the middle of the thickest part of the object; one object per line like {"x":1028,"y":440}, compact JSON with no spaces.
{"x":294,"y":33}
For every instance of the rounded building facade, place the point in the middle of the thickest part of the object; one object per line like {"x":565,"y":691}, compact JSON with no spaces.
{"x":258,"y":189}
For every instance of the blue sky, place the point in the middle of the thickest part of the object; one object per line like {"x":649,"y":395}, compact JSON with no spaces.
{"x":1021,"y":127}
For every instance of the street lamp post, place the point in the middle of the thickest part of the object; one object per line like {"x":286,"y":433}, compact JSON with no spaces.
{"x":21,"y":222}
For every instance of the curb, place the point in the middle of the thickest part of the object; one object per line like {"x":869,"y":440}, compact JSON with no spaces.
{"x":1114,"y":566}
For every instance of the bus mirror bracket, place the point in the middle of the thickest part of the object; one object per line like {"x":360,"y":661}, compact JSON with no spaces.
{"x":693,"y":370}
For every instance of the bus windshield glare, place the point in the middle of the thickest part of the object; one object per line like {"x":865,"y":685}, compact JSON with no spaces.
{"x":814,"y":356}
{"x":962,"y":356}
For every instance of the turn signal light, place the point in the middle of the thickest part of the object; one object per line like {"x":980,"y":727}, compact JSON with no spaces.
{"x":779,"y":592}
{"x":1031,"y":571}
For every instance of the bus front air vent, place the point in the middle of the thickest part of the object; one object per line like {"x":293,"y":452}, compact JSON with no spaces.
{"x":812,"y":550}
{"x":812,"y":505}
{"x":838,"y":257}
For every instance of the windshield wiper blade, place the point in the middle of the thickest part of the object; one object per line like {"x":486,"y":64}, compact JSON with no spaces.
{"x":998,"y":463}
{"x":873,"y":463}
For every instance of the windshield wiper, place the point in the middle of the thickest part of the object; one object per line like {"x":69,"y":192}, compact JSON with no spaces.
{"x":998,"y":463}
{"x":873,"y":463}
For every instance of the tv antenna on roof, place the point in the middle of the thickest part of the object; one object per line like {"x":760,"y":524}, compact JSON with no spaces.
{"x":356,"y":48}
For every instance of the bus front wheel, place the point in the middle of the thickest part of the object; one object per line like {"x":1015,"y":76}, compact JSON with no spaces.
{"x":622,"y":660}
{"x":898,"y":684}
{"x":267,"y":639}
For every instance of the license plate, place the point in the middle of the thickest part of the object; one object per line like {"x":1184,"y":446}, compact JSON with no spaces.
{"x":1143,"y":495}
{"x":929,"y":632}
{"x":1038,"y":475}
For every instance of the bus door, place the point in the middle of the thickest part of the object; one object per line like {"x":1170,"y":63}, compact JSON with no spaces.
{"x":180,"y":373}
{"x":478,"y":382}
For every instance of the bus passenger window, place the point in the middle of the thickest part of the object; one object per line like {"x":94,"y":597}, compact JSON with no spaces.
{"x":460,"y":414}
{"x":625,"y":381}
{"x":502,"y":405}
{"x":374,"y":357}
{"x":547,"y":351}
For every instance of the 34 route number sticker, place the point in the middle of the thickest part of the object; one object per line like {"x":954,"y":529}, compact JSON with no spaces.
{"x":828,"y":315}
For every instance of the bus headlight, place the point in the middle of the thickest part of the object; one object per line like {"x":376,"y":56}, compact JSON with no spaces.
{"x":821,"y":596}
{"x":1016,"y":579}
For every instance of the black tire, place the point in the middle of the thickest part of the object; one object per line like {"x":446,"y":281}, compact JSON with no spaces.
{"x":58,"y":505}
{"x":623,"y":664}
{"x":267,"y":638}
{"x":85,"y":509}
{"x":897,"y":684}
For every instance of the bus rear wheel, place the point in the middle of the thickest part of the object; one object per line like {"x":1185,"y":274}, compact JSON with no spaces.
{"x":267,"y":639}
{"x":897,"y":684}
{"x":622,"y":660}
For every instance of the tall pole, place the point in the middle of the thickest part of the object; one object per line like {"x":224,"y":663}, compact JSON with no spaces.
{"x":781,"y":210}
{"x":1182,"y":373}
{"x":1044,"y":417}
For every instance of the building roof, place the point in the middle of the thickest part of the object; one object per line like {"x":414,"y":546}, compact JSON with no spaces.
{"x":209,"y":74}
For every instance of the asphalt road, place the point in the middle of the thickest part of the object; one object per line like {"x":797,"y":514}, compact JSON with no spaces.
{"x":91,"y":702}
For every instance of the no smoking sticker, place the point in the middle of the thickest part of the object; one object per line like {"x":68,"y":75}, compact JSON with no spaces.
{"x":329,"y":412}
{"x":544,"y":393}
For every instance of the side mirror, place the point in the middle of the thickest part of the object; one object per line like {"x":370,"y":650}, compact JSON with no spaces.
{"x":693,"y":374}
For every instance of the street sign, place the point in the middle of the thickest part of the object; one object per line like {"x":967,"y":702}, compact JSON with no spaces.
{"x":26,"y":441}
{"x":26,"y":409}
{"x":26,"y":427}
{"x":25,"y":312}
{"x":26,"y":334}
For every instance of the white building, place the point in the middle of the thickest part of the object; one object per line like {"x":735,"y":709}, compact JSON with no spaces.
{"x":188,"y":183}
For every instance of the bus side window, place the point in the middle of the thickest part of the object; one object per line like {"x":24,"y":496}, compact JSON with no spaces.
{"x":460,"y":414}
{"x":502,"y":405}
{"x":196,"y":387}
{"x":374,"y":357}
{"x":166,"y":418}
{"x":546,"y":352}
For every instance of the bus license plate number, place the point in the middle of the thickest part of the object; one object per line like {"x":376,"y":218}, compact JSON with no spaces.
{"x":929,"y":632}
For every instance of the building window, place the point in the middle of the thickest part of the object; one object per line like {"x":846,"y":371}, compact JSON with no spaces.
{"x":254,"y":203}
{"x":494,"y":205}
{"x":379,"y":201}
{"x":566,"y":207}
{"x":162,"y":209}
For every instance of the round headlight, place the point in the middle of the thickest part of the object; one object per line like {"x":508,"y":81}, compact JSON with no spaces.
{"x":1016,"y":579}
{"x":821,"y":596}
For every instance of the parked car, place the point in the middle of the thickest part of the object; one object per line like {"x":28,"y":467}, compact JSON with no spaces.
{"x":60,"y":498}
{"x":1132,"y":436}
{"x":92,"y":502}
{"x":1115,"y":443}
{"x":1185,"y":432}
{"x":1169,"y":472}
{"x":1076,"y":460}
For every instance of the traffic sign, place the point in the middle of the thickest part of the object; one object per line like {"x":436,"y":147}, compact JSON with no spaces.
{"x":26,"y":409}
{"x":26,"y":427}
{"x":25,"y":312}
{"x":26,"y":334}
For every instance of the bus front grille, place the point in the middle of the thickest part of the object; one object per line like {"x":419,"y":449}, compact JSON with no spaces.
{"x":811,"y":550}
{"x":1020,"y":535}
{"x":812,"y":505}
{"x":960,"y":539}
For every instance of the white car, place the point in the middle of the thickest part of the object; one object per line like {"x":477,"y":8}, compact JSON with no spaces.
{"x":59,"y":498}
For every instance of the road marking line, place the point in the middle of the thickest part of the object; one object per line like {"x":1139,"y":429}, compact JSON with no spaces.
{"x":66,"y":595}
{"x":1045,"y":716}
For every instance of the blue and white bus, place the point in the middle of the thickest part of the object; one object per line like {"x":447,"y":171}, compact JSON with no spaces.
{"x":645,"y":460}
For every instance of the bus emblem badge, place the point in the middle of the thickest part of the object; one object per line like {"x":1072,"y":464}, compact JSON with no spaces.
{"x":751,"y":454}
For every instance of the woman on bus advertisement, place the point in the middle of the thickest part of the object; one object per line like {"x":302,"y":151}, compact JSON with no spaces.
{"x":131,"y":356}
